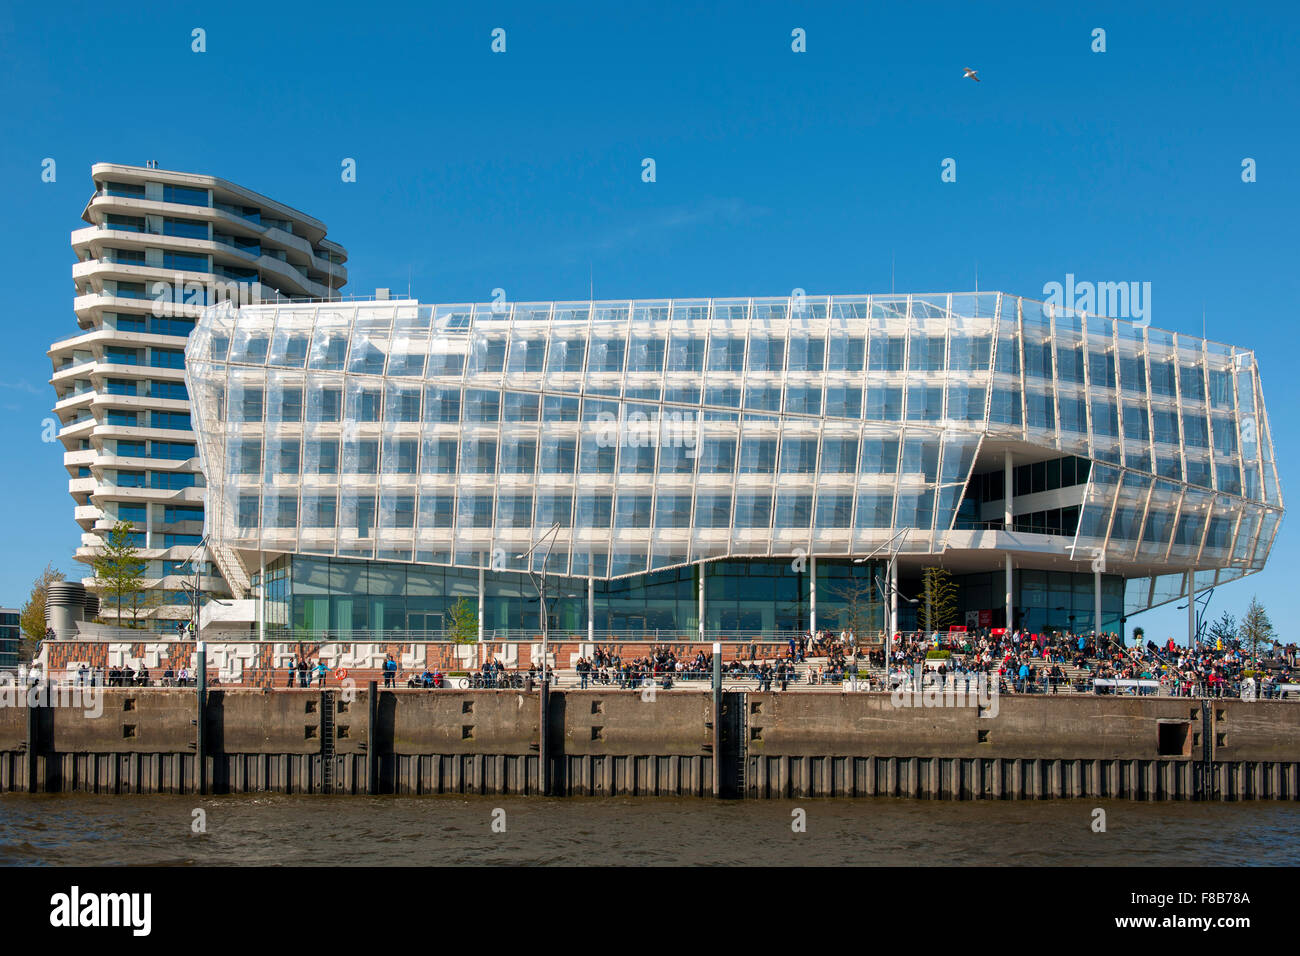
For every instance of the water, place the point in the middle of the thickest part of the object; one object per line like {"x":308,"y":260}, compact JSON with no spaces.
{"x":77,"y":829}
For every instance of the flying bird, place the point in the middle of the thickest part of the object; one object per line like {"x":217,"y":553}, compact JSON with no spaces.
{"x":970,"y":74}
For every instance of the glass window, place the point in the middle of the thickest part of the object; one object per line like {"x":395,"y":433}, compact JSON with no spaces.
{"x":753,"y":511}
{"x":442,"y":405}
{"x":713,"y":511}
{"x":558,"y":456}
{"x":804,"y":401}
{"x":807,"y":354}
{"x":799,"y":455}
{"x":839,"y":455}
{"x":875,"y":510}
{"x":482,"y":406}
{"x":518,"y":455}
{"x":794,"y":511}
{"x":439,"y":456}
{"x":556,"y":408}
{"x":437,"y":511}
{"x":834,"y":510}
{"x":843,"y":401}
{"x":646,"y":354}
{"x":403,"y":404}
{"x":521,"y":407}
{"x":687,"y":353}
{"x":879,"y":457}
{"x":595,"y":511}
{"x":673,"y":511}
{"x":478,"y":456}
{"x":401,"y":455}
{"x":361,"y":456}
{"x":726,"y":354}
{"x":757,"y":456}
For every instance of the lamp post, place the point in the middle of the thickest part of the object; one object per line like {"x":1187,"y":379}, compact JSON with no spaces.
{"x":539,"y":581}
{"x":1203,"y":609}
{"x":885,"y":596}
{"x":901,"y":538}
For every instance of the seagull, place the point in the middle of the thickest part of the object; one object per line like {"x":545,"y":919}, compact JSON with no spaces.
{"x":970,"y":74}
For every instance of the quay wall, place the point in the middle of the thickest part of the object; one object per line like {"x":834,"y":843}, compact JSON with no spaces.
{"x":616,"y":742}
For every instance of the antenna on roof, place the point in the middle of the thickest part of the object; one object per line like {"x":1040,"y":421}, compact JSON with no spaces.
{"x":891,"y":271}
{"x":591,"y":280}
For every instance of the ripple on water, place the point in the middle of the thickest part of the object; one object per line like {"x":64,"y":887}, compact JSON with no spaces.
{"x":87,"y":830}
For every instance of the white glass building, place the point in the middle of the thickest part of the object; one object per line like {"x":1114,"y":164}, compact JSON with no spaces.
{"x":720,"y":465}
{"x":159,"y":246}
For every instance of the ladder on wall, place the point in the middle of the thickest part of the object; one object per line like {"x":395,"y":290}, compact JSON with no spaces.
{"x":327,"y":741}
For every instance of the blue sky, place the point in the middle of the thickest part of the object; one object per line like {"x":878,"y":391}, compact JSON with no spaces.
{"x":775,"y":170}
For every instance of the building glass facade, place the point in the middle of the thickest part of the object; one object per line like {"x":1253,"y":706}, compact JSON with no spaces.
{"x":660,"y":436}
{"x":9,"y":638}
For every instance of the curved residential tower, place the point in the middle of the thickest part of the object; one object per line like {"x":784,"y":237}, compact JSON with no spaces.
{"x":159,"y":246}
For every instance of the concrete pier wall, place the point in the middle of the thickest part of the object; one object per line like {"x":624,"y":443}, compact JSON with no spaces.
{"x":609,"y":742}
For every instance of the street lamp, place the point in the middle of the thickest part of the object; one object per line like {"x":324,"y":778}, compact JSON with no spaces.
{"x":901,"y":538}
{"x":539,"y":581}
{"x":1203,"y":608}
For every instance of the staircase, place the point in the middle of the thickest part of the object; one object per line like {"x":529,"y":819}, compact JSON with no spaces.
{"x":232,"y":568}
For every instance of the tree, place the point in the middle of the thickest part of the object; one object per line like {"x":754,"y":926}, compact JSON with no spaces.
{"x":862,"y":611}
{"x":31,"y":619}
{"x":1224,"y":629}
{"x":1256,"y":629}
{"x":937,"y":607}
{"x":119,"y":569}
{"x":464,"y":622}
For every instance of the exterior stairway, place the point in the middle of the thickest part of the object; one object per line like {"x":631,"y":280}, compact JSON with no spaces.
{"x":232,"y":569}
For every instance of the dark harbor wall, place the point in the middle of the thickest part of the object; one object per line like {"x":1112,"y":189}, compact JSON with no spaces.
{"x":602,"y":742}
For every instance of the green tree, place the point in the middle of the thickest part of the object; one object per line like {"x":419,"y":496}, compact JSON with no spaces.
{"x":1224,"y":629}
{"x":1256,"y":629}
{"x":31,"y":618}
{"x":464,"y":622}
{"x":119,"y":570}
{"x":937,"y":607}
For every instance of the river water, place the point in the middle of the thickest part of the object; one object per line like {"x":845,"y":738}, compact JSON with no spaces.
{"x":77,"y":829}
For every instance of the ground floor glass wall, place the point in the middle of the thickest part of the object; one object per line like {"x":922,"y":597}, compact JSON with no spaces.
{"x":342,"y":596}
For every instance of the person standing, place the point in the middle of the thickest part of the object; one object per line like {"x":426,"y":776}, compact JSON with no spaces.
{"x":390,"y":671}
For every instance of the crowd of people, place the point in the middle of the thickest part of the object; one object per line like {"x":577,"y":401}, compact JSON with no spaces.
{"x":661,"y":665}
{"x":1019,"y":662}
{"x":1046,"y":663}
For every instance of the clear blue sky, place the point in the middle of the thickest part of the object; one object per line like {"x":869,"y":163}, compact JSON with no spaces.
{"x":775,"y":170}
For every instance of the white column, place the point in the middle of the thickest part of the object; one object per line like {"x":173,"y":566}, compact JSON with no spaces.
{"x":591,"y":609}
{"x":701,"y":601}
{"x":1191,"y":608}
{"x":261,"y":599}
{"x":893,"y":598}
{"x":480,"y":605}
{"x":1008,"y":513}
{"x":812,"y":595}
{"x":1009,"y":596}
{"x":1096,"y":601}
